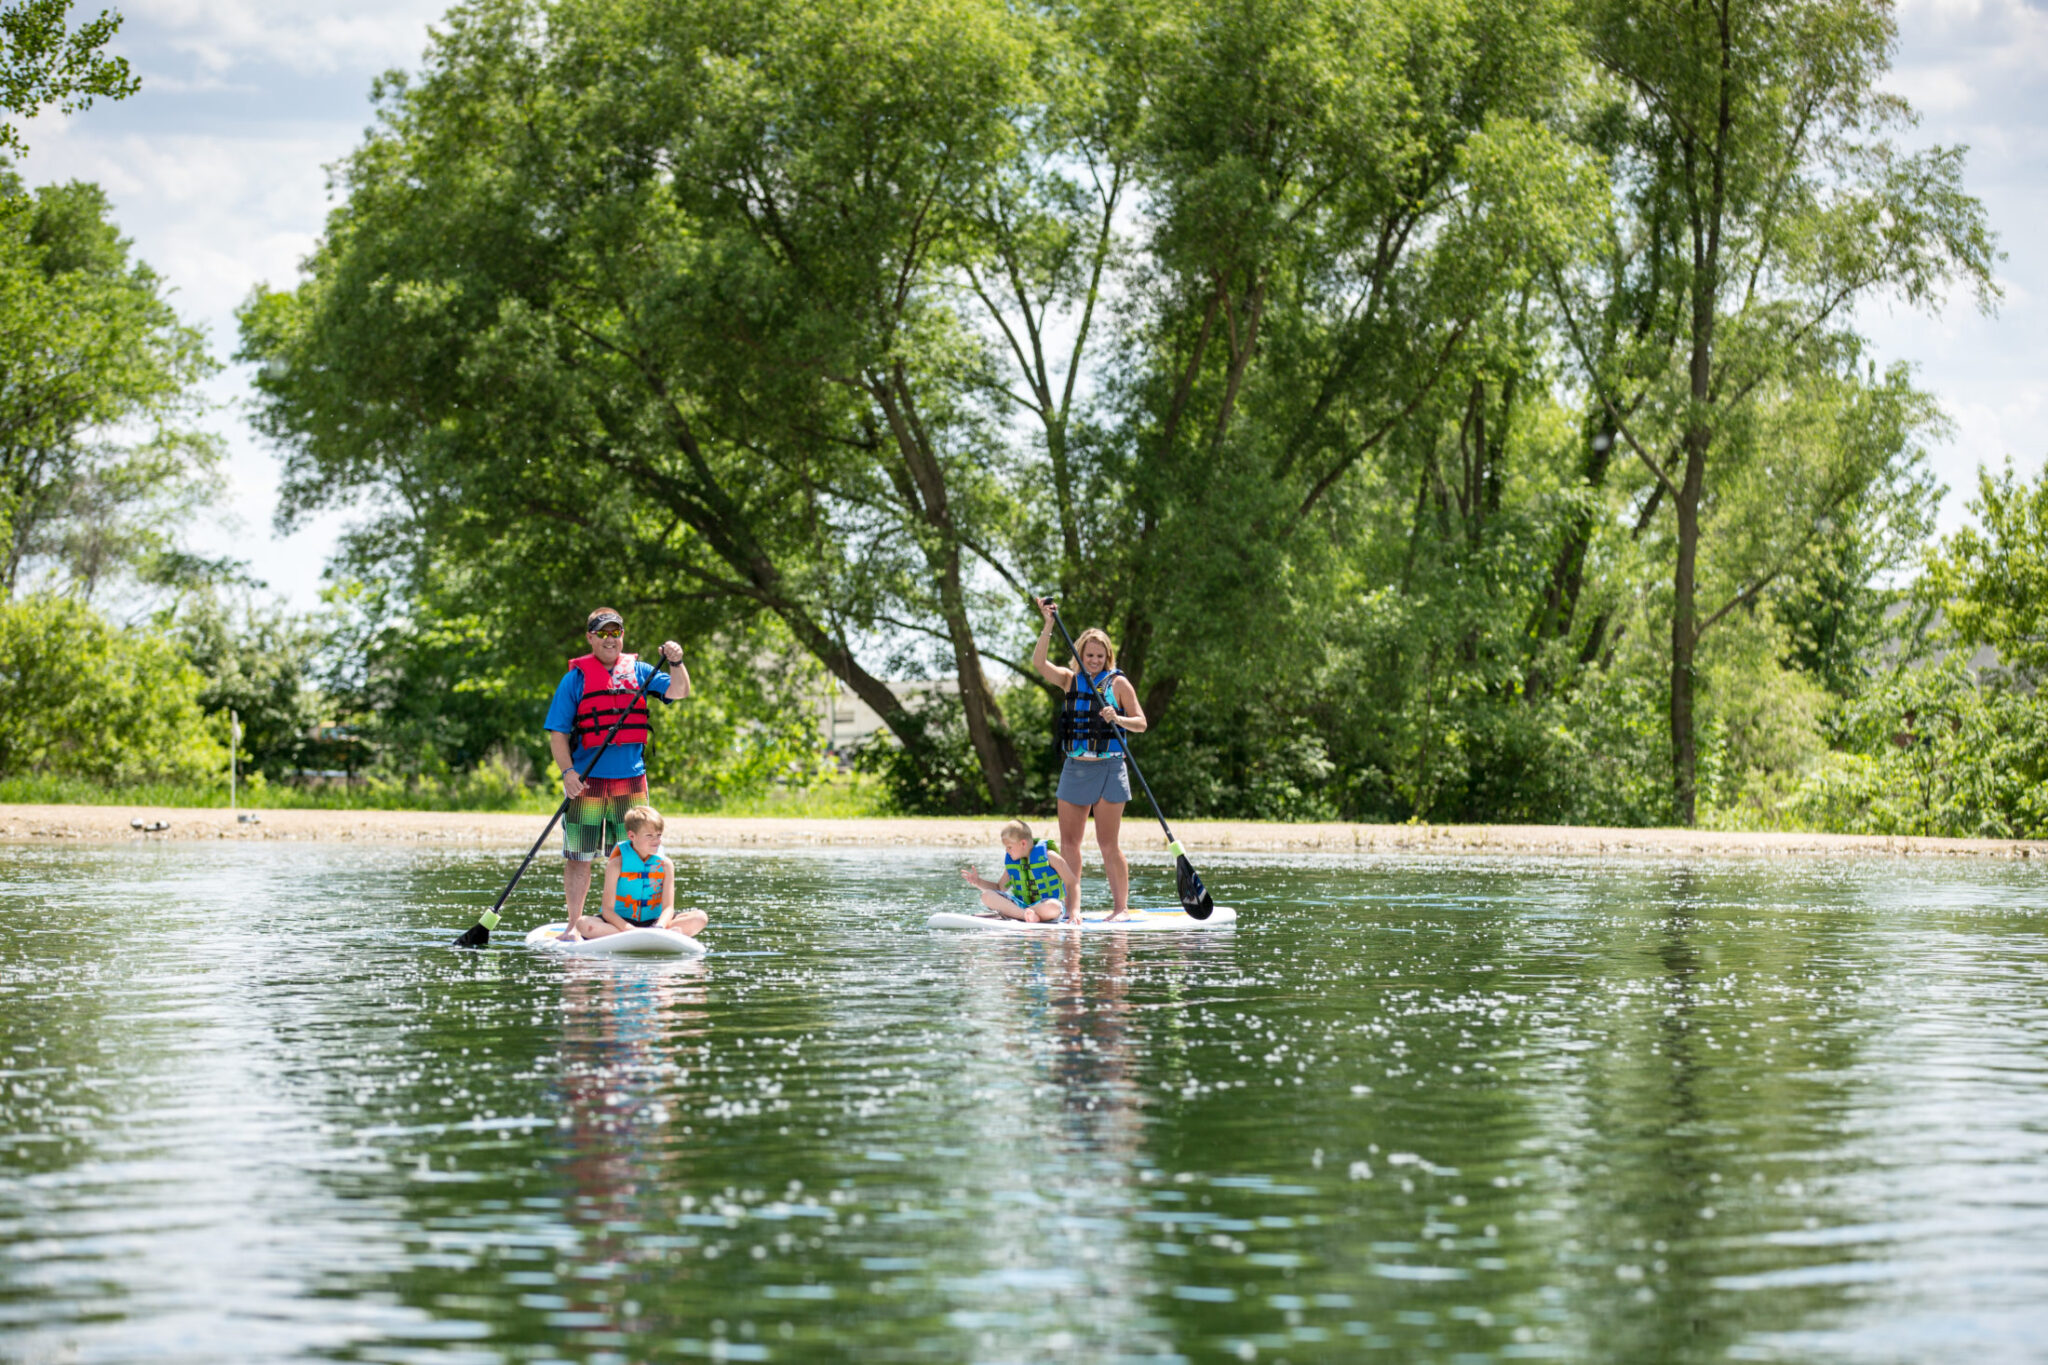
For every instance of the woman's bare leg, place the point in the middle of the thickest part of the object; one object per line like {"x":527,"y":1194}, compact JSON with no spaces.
{"x":1109,"y":823}
{"x":1073,"y":825}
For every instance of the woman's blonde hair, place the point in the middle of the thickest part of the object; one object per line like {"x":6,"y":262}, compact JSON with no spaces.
{"x":644,"y":815}
{"x":1081,"y":645}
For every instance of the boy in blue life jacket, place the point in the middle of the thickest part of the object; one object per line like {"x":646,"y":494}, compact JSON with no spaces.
{"x":639,"y":886}
{"x":1034,"y":882}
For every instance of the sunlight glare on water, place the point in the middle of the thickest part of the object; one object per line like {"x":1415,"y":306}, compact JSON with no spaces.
{"x":253,"y":1108}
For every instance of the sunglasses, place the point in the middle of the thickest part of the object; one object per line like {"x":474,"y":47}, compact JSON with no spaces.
{"x":609,"y":633}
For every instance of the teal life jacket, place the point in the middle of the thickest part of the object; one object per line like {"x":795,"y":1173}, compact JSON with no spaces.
{"x":1082,"y":730}
{"x":638,"y":898}
{"x":1033,"y":878}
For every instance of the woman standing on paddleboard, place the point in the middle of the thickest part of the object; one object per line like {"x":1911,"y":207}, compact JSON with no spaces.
{"x":1100,"y":704}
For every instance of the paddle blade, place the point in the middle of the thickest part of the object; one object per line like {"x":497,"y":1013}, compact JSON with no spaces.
{"x":1194,"y":897}
{"x":475,"y":936}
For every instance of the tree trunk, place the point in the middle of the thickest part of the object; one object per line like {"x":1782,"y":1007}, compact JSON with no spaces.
{"x":1684,"y":634}
{"x":1699,"y":432}
{"x":701,"y":501}
{"x":984,"y":716}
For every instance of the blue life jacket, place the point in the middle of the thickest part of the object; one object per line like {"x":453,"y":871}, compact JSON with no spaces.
{"x":1082,"y":730}
{"x":638,"y":898}
{"x":1033,"y":878}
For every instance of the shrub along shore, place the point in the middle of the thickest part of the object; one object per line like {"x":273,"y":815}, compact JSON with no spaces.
{"x":33,"y":824}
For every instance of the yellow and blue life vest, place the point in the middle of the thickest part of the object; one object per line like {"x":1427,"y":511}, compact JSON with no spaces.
{"x":1082,"y":730}
{"x":638,"y":899}
{"x":1033,"y":878}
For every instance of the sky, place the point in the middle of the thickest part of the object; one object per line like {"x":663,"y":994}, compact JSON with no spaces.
{"x":217,"y":171}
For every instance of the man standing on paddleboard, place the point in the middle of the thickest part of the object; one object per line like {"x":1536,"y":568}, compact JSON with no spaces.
{"x":597,"y":687}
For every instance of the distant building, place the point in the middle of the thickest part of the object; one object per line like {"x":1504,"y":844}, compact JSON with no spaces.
{"x":1981,"y":656}
{"x":844,"y":720}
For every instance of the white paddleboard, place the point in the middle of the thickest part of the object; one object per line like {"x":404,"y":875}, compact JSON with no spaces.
{"x":633,"y":942}
{"x":1137,"y":922}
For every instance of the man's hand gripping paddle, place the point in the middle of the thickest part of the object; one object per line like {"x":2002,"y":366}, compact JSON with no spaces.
{"x":1194,"y":897}
{"x":479,"y":934}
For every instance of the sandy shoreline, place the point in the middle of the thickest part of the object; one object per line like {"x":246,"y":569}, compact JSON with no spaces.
{"x":114,"y":824}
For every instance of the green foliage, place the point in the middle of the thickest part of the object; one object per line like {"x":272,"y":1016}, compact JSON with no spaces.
{"x":1370,"y":371}
{"x":1758,"y":195}
{"x":43,"y":61}
{"x":82,"y":699}
{"x":1934,"y":750}
{"x":1991,"y":580}
{"x":1931,"y":745}
{"x":932,"y":776}
{"x":435,"y":693}
{"x":260,"y":664}
{"x":1765,"y":722}
{"x":748,"y":726}
{"x":99,"y":465}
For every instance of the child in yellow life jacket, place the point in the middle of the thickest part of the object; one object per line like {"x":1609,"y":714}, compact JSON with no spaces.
{"x":1034,"y":882}
{"x":639,"y":886}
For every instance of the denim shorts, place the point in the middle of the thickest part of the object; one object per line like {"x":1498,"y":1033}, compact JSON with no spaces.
{"x":1085,"y":781}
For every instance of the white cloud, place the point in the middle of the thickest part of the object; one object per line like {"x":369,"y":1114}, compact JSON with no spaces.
{"x":304,"y":35}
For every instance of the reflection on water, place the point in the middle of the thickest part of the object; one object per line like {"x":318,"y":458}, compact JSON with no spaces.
{"x":252,"y":1109}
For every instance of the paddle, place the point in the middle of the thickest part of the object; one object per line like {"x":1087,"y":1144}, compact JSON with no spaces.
{"x":1194,"y":897}
{"x":479,"y":934}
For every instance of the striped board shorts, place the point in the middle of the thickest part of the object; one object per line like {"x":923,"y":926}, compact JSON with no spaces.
{"x":595,"y":822}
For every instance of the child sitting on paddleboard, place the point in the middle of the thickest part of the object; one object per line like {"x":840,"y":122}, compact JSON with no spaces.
{"x":639,"y":886}
{"x":1034,"y":882}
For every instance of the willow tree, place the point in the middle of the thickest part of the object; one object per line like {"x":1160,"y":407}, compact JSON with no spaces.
{"x":663,"y":297}
{"x":1760,"y":194}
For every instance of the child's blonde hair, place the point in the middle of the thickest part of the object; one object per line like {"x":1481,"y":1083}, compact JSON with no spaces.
{"x":1017,"y":832}
{"x":643,"y":815}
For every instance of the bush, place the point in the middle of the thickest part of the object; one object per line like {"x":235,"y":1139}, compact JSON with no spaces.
{"x":80,"y":698}
{"x":1934,"y":750}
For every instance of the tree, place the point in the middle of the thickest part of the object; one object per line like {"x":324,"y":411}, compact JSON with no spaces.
{"x":1991,"y":580}
{"x":689,"y":320}
{"x":260,"y":663}
{"x":99,"y":466}
{"x":1339,"y":200}
{"x":80,"y":697}
{"x":45,"y":62}
{"x":1759,"y":198}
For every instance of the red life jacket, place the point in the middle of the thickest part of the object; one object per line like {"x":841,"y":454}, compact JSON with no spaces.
{"x":607,"y":692}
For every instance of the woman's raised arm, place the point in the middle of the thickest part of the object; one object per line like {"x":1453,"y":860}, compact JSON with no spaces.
{"x":1062,"y":678}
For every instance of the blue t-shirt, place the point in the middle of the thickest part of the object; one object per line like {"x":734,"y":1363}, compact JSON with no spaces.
{"x":621,"y":760}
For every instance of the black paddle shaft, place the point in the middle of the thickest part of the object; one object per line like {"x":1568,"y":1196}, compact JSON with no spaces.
{"x":478,"y":934}
{"x":1194,"y":897}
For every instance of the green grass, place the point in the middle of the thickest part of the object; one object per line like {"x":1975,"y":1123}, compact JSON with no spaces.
{"x":849,"y":797}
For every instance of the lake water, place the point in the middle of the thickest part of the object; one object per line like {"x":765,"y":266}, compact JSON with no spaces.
{"x":252,"y":1108}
